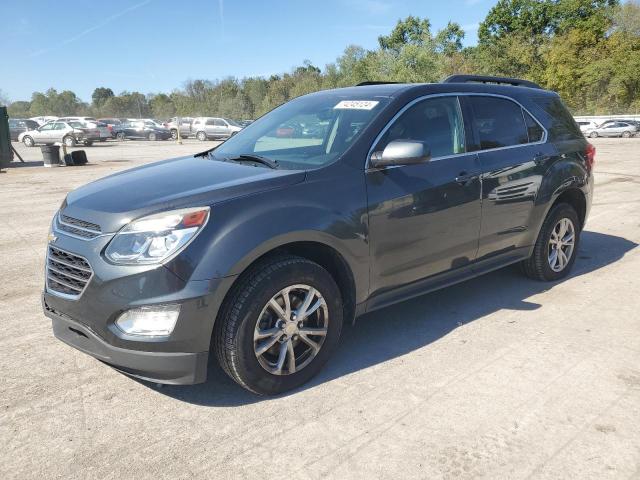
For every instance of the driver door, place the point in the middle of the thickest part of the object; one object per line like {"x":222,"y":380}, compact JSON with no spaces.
{"x":424,"y":219}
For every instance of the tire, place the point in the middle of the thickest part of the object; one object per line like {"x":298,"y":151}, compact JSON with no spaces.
{"x":120,"y":136}
{"x":87,"y":143}
{"x":247,"y":308}
{"x":28,"y":141}
{"x":626,"y":134}
{"x":152,"y":137}
{"x":593,"y":135}
{"x":103,"y":139}
{"x":201,"y":136}
{"x":69,"y":141}
{"x":174,"y":134}
{"x":539,"y":265}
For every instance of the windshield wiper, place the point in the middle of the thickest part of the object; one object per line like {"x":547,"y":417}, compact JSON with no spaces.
{"x":249,"y":157}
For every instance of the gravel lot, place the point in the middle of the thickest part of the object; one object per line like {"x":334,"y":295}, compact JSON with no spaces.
{"x":499,"y":377}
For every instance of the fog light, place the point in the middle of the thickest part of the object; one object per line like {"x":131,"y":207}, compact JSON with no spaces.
{"x":152,"y":321}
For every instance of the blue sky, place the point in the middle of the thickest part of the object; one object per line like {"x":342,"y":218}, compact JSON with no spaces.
{"x":155,"y":45}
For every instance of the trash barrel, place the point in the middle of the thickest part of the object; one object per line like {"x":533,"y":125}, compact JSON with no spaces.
{"x":51,"y":155}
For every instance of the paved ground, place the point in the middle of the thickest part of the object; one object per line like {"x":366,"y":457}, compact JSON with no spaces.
{"x":499,"y":377}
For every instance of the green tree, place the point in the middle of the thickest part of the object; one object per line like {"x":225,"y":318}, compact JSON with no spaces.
{"x":100,"y":95}
{"x":161,"y":106}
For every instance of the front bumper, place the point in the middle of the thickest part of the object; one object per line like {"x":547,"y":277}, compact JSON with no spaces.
{"x":88,"y":321}
{"x":179,"y":368}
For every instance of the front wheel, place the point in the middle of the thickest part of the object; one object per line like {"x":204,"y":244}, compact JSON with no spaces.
{"x":87,"y":143}
{"x":279,"y":326}
{"x":201,"y":136}
{"x":28,"y":141}
{"x":556,"y":247}
{"x":626,"y":134}
{"x":120,"y":136}
{"x":152,"y":137}
{"x":174,"y":134}
{"x":593,"y":135}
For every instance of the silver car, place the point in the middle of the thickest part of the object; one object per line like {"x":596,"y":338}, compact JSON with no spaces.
{"x":613,"y":129}
{"x":69,"y":133}
{"x":205,"y":128}
{"x":184,"y":124}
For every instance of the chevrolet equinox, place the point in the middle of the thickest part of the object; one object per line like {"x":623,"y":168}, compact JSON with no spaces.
{"x":334,"y":204}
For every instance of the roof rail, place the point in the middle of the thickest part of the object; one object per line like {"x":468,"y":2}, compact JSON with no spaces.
{"x":516,"y":82}
{"x":375,"y":82}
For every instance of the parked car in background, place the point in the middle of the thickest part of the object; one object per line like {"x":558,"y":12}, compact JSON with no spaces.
{"x":113,"y":124}
{"x":70,"y":133}
{"x":586,"y":125}
{"x":244,"y":123}
{"x":613,"y":128}
{"x":142,"y":130}
{"x":258,"y":251}
{"x":92,"y":123}
{"x":184,"y":126}
{"x":19,"y":125}
{"x":44,"y":119}
{"x":205,"y":128}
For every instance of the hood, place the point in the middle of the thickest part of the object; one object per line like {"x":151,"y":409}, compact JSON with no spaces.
{"x":114,"y":201}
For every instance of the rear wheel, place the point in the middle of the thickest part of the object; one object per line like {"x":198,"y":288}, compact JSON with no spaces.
{"x":28,"y":141}
{"x":556,"y":247}
{"x":626,"y":134}
{"x":201,"y":136}
{"x":152,"y":136}
{"x":279,"y":326}
{"x":593,"y":134}
{"x":120,"y":136}
{"x":87,"y":143}
{"x":174,"y":134}
{"x":69,"y":141}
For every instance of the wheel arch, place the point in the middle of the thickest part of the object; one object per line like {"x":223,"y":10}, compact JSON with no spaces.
{"x":576,"y":198}
{"x":319,"y":252}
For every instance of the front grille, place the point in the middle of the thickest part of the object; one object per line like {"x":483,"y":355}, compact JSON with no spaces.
{"x":67,"y":274}
{"x":77,"y":227}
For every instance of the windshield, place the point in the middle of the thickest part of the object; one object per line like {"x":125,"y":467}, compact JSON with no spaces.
{"x":308,"y":132}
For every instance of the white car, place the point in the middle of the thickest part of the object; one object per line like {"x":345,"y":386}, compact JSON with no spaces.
{"x":44,"y":119}
{"x":587,"y":125}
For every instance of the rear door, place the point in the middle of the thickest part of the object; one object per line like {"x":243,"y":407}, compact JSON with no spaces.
{"x":424,"y":219}
{"x":513,"y":158}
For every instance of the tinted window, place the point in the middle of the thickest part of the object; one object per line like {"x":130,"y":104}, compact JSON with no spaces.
{"x":436,"y":121}
{"x":219,"y":123}
{"x":561,"y":126}
{"x":211,"y":122}
{"x":498,"y":121}
{"x":534,"y":130}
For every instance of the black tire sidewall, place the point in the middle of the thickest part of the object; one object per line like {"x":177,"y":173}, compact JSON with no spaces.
{"x":248,"y":368}
{"x":560,"y":211}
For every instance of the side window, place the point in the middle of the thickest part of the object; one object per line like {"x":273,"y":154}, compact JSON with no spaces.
{"x":47,"y":126}
{"x":219,"y":123}
{"x":498,"y":121}
{"x":534,"y":130}
{"x":435,"y":121}
{"x":561,"y":125}
{"x":211,"y":122}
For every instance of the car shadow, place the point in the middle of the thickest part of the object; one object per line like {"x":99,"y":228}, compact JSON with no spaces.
{"x":376,"y":338}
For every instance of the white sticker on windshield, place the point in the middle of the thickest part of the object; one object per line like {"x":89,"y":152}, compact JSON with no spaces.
{"x":356,"y":104}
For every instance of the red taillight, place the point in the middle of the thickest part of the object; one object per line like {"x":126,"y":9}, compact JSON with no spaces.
{"x":590,"y":154}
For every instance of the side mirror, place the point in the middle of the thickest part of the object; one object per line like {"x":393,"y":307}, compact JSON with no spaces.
{"x":401,"y":152}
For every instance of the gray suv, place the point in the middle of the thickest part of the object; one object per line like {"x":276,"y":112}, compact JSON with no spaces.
{"x":334,"y":204}
{"x":205,"y":128}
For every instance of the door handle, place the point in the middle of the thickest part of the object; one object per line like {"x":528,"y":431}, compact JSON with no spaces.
{"x":464,"y":178}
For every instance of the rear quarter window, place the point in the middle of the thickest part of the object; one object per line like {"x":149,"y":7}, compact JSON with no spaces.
{"x":560,"y":123}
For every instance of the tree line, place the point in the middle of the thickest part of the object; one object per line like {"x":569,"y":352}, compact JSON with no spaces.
{"x":586,"y":50}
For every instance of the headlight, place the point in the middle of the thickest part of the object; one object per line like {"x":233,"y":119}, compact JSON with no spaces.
{"x":154,"y":238}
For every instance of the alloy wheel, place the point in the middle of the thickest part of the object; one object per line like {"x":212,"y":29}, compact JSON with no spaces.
{"x":561,"y":244}
{"x":291,"y":329}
